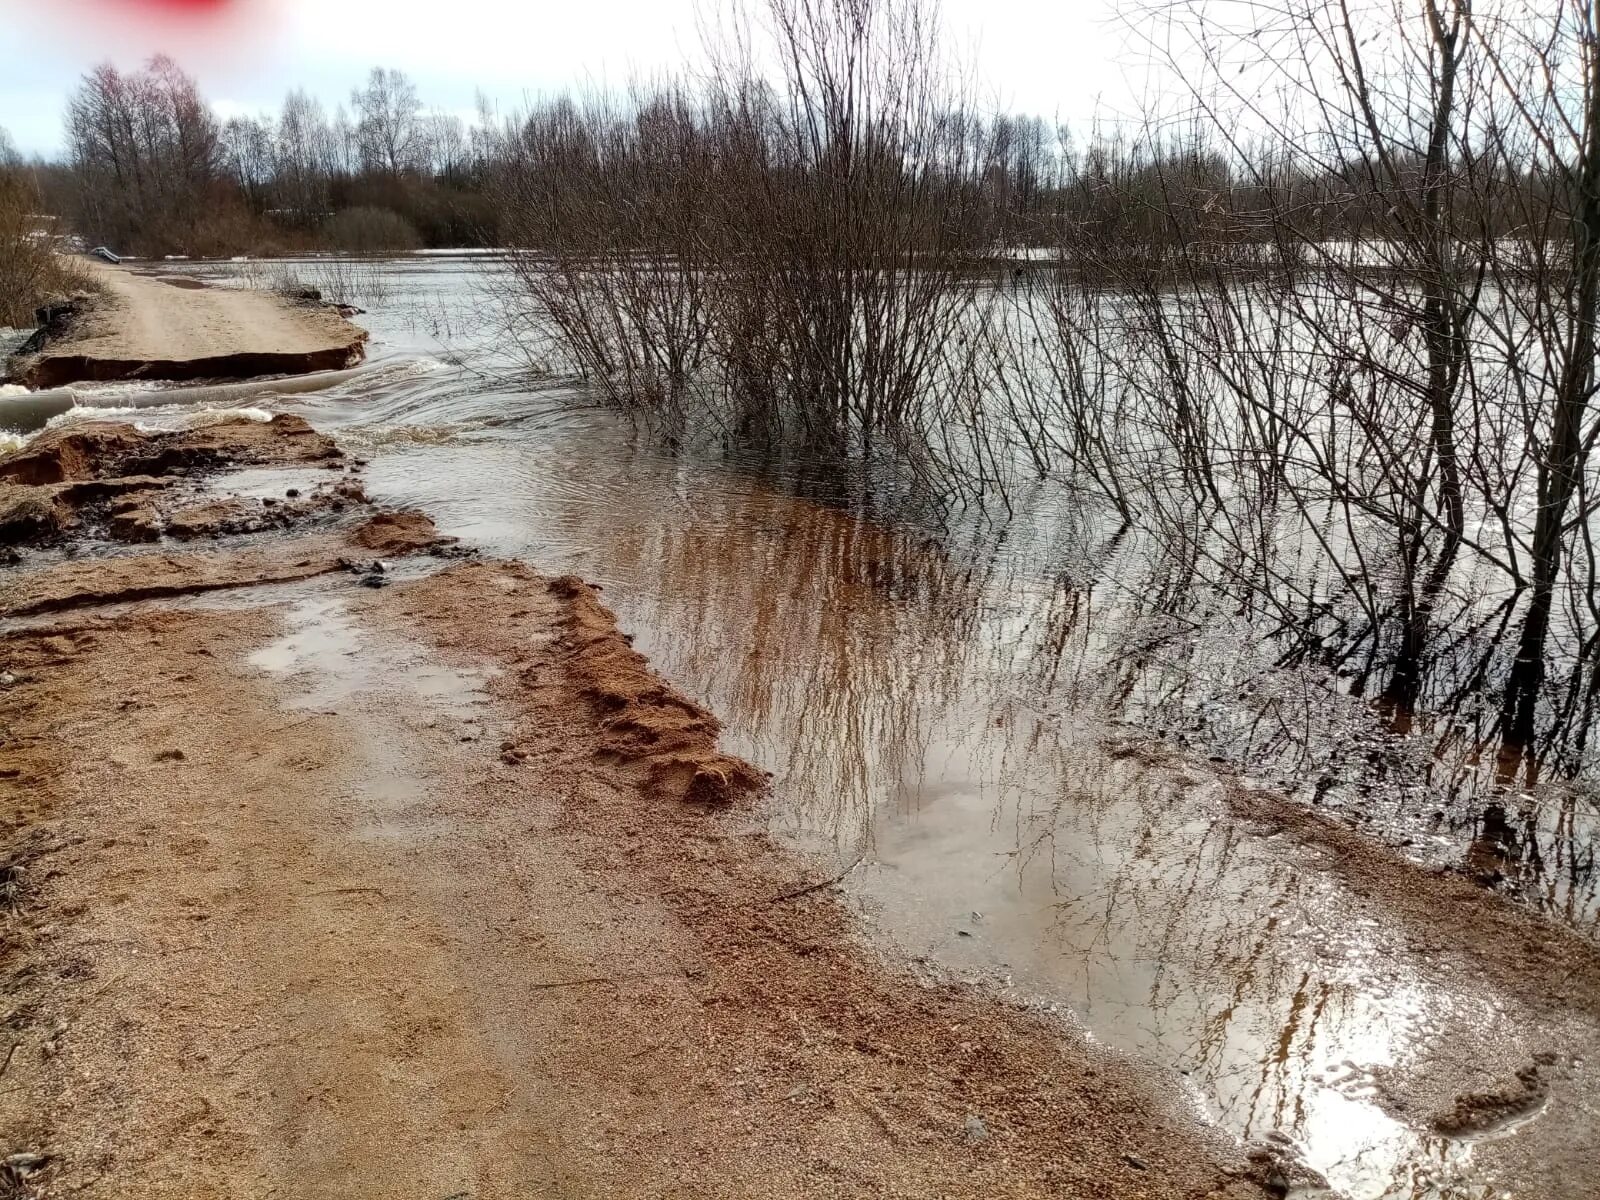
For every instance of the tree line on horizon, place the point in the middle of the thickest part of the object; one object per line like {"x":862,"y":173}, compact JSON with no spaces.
{"x":150,"y":169}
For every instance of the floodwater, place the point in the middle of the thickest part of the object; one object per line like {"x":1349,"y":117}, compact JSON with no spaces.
{"x":958,"y":710}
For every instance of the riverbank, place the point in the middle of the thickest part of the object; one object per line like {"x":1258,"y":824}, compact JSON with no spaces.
{"x":327,"y":888}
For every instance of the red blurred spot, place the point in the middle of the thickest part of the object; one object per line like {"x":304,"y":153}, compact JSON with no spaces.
{"x":172,"y":8}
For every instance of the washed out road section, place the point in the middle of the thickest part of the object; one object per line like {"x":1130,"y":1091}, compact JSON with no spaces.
{"x":141,"y":326}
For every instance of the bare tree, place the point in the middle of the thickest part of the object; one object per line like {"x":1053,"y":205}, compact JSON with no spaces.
{"x":146,"y":149}
{"x":305,"y":160}
{"x":246,"y":146}
{"x":389,"y":128}
{"x":449,"y":150}
{"x":1336,"y":320}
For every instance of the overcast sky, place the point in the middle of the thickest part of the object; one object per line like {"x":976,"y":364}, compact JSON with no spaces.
{"x":1066,"y":58}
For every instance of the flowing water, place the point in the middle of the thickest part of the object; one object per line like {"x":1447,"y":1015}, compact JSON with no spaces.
{"x":959,"y":712}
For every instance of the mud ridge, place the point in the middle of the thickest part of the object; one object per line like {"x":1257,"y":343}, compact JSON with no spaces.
{"x":644,"y":719}
{"x":130,"y":578}
{"x":124,"y":481}
{"x":1480,"y":1112}
{"x":111,"y":449}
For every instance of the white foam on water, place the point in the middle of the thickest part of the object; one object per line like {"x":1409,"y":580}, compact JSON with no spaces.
{"x":213,"y":416}
{"x":150,"y":420}
{"x":405,"y":368}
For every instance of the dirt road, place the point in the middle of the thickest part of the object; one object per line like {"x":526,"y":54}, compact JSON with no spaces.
{"x":434,"y":889}
{"x":149,"y":326}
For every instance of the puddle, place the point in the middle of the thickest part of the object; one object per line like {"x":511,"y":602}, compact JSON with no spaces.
{"x":1127,"y":901}
{"x":332,"y":660}
{"x":271,"y":483}
{"x":335,"y":664}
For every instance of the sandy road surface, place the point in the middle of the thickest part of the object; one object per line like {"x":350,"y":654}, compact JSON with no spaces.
{"x":143,"y":327}
{"x":144,"y":317}
{"x":344,"y":898}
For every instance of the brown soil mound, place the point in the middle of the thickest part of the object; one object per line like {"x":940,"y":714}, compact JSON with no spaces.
{"x":135,"y":519}
{"x":152,"y":576}
{"x":644,"y":719}
{"x":28,"y":513}
{"x":38,"y":512}
{"x":62,"y":370}
{"x":45,"y":485}
{"x":284,"y":439}
{"x":399,"y":533}
{"x":217,"y":517}
{"x":239,"y":514}
{"x":72,"y":452}
{"x":107,"y":449}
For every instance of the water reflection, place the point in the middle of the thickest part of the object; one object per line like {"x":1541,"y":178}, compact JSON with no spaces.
{"x":948,"y":707}
{"x":861,"y":665}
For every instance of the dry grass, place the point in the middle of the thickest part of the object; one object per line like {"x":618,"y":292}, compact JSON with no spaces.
{"x":31,"y":270}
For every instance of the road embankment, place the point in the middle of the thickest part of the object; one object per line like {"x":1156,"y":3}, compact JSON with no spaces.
{"x":143,"y":326}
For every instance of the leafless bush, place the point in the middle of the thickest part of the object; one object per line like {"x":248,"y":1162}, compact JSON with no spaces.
{"x":336,"y":278}
{"x":31,"y":271}
{"x":369,"y":231}
{"x":1348,"y":366}
{"x":787,"y":257}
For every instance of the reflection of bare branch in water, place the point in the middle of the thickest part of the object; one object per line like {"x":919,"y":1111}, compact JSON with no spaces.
{"x":1172,"y":933}
{"x":866,"y":664}
{"x":831,"y":646}
{"x":945,"y":702}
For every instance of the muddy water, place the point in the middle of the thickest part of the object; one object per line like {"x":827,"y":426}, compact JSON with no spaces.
{"x":958,"y":718}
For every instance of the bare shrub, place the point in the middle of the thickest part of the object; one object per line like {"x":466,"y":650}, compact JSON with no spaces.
{"x":31,"y":270}
{"x":369,"y":231}
{"x":788,"y":256}
{"x":1344,"y":370}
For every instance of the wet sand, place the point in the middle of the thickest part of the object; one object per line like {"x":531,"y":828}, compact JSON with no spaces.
{"x":434,"y":889}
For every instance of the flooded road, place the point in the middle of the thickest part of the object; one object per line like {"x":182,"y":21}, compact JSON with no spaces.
{"x":962,"y":721}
